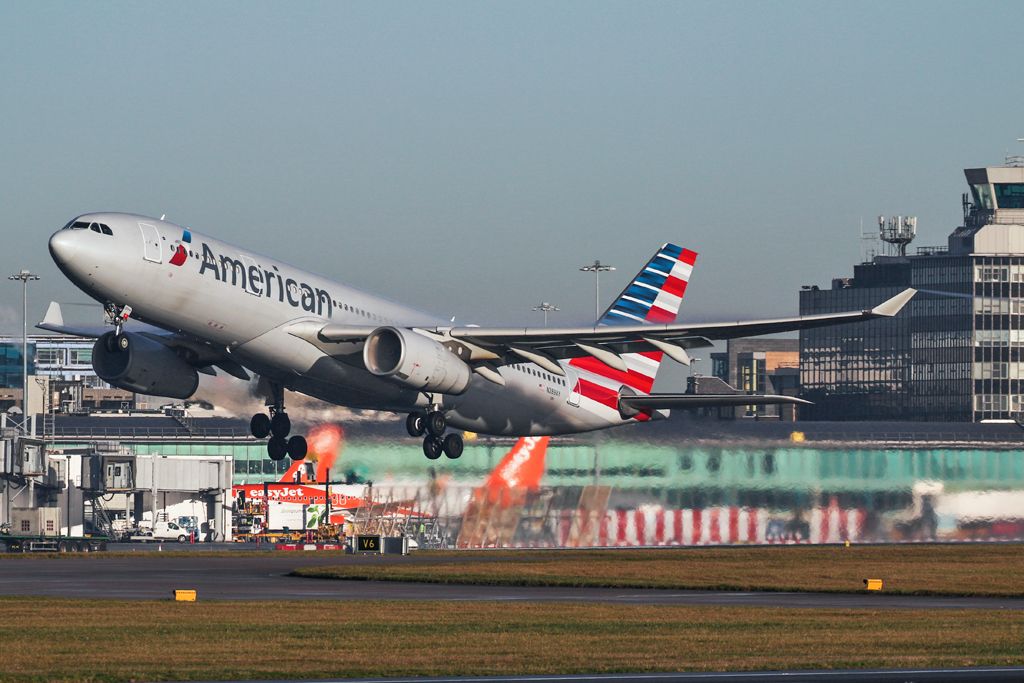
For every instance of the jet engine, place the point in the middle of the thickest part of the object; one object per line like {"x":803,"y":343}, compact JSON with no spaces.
{"x":415,"y":361}
{"x":137,"y":363}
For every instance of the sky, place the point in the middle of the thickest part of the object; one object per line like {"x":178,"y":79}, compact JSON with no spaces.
{"x":468,"y":157}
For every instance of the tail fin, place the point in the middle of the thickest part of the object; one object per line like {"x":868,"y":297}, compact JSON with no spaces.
{"x":654,"y":296}
{"x":324,"y":443}
{"x":656,"y":292}
{"x":522,"y":467}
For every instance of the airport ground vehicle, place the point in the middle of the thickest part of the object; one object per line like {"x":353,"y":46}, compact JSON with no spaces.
{"x":61,"y":544}
{"x":163,"y":531}
{"x":42,"y":542}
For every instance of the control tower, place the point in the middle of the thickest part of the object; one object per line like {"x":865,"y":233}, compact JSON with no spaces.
{"x":993,"y":212}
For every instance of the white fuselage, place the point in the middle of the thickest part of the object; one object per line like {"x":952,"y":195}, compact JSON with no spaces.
{"x":243,"y":302}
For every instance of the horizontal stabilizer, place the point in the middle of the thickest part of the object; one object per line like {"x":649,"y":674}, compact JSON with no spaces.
{"x":662,"y":401}
{"x":53,"y":321}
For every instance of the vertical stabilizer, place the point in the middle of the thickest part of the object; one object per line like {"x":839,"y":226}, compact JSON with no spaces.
{"x":654,"y":296}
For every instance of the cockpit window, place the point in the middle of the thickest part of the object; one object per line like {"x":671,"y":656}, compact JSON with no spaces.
{"x":101,"y":228}
{"x":77,"y":225}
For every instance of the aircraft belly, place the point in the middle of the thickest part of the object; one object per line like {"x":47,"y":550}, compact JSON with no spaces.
{"x":520,"y":408}
{"x":303,"y":367}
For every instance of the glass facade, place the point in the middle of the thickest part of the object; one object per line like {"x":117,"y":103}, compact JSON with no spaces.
{"x":998,"y":339}
{"x":59,"y":357}
{"x":946,"y":357}
{"x":11,"y":364}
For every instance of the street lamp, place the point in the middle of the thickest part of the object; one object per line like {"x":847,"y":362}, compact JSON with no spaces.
{"x":597,"y":268}
{"x":25,"y":276}
{"x":546,"y":308}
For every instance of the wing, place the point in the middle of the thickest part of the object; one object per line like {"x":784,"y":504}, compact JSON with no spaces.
{"x":485,"y":347}
{"x":544,"y":345}
{"x":201,"y":354}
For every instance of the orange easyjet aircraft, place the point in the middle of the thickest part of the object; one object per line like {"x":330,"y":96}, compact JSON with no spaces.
{"x":520,"y":469}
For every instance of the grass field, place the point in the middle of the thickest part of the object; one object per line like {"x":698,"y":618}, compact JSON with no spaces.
{"x":73,"y":640}
{"x":976,"y":570}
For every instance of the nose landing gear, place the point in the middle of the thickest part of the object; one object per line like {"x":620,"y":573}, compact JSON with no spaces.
{"x":277,"y":426}
{"x":433,"y":424}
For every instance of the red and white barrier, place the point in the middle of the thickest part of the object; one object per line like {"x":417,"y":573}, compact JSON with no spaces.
{"x":721,"y":525}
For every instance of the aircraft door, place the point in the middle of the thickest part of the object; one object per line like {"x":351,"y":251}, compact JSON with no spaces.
{"x":574,"y":393}
{"x":150,"y":243}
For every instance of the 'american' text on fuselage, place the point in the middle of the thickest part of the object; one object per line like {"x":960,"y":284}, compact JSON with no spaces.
{"x":261,"y":282}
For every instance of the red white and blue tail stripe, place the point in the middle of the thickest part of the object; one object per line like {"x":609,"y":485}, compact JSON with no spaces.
{"x":656,"y":292}
{"x":654,"y":296}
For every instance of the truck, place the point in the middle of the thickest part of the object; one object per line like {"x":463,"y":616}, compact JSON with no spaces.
{"x":39,"y":530}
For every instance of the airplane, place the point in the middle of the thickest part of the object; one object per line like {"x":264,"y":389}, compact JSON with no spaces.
{"x":197,"y":304}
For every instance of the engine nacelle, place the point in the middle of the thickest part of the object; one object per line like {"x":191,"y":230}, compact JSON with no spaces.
{"x":137,"y":363}
{"x":415,"y":361}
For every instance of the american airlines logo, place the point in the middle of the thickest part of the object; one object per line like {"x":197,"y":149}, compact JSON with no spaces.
{"x":180,"y":253}
{"x":244,"y":273}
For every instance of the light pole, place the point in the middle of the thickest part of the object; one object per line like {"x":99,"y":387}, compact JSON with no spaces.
{"x":597,"y":268}
{"x":25,"y":276}
{"x":546,"y":308}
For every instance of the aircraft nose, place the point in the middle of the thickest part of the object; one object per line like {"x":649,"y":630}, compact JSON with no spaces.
{"x":62,"y":247}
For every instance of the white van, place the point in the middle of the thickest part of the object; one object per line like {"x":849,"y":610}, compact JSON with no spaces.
{"x":163,"y":531}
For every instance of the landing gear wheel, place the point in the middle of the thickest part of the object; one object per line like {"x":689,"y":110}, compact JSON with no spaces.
{"x":297,"y":447}
{"x":432,"y":447}
{"x":453,"y":446}
{"x":416,"y":424}
{"x":436,"y":423}
{"x":116,"y":343}
{"x":259,"y":425}
{"x":280,"y":425}
{"x":277,"y":448}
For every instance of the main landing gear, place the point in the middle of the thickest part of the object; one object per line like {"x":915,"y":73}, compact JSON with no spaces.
{"x":277,"y":426}
{"x":435,"y":442}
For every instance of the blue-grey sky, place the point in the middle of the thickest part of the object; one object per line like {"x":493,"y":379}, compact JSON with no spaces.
{"x":468,"y":157}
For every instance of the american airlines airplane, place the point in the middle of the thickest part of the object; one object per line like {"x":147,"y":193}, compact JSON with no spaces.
{"x":197,"y":304}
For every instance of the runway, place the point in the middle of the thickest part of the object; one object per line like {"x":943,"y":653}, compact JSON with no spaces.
{"x":264,"y":577}
{"x":844,"y":676}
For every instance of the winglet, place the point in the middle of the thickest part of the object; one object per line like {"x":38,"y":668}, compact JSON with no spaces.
{"x":53,"y":315}
{"x":894,"y":305}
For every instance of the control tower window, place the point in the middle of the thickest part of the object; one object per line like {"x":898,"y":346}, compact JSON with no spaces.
{"x":1010,"y":195}
{"x":982,"y":196}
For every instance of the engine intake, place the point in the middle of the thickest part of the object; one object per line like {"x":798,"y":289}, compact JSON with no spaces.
{"x":415,"y":361}
{"x":137,"y":363}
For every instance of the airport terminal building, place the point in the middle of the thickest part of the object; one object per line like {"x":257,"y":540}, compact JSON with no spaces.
{"x":956,"y":353}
